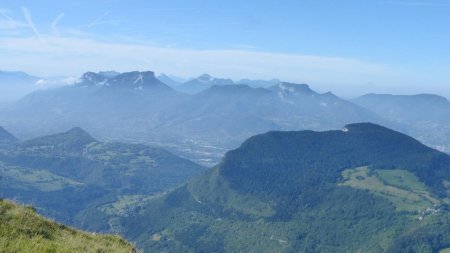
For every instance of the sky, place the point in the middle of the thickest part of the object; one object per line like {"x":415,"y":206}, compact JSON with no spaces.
{"x":350,"y":47}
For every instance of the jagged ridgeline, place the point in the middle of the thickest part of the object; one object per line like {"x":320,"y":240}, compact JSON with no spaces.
{"x":22,"y":230}
{"x":365,"y":188}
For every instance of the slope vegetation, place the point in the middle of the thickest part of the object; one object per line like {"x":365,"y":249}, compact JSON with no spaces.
{"x":296,"y":192}
{"x":76,"y":179}
{"x":22,"y":230}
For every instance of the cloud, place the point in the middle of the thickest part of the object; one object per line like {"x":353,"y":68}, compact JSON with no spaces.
{"x":8,"y":23}
{"x":70,"y":55}
{"x":73,"y":55}
{"x":55,"y":23}
{"x":27,"y":15}
{"x":99,"y":21}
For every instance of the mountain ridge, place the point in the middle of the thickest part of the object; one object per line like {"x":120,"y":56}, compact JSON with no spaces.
{"x":133,"y":79}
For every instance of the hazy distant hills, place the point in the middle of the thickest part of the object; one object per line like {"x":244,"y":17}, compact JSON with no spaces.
{"x":218,"y":115}
{"x":424,"y":116}
{"x":259,"y":83}
{"x":6,"y":137}
{"x":171,"y":81}
{"x":226,"y":114}
{"x":16,"y":84}
{"x":206,"y":81}
{"x":364,"y":188}
{"x":202,"y":83}
{"x":78,"y":180}
{"x":137,"y":107}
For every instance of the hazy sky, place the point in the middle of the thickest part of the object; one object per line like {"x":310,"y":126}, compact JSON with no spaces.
{"x":347,"y":46}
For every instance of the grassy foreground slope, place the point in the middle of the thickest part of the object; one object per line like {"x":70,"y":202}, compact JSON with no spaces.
{"x":22,"y":230}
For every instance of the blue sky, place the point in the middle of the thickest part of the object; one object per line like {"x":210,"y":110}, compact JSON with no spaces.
{"x":348,"y":46}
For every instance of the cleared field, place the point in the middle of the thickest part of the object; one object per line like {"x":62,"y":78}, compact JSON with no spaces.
{"x":401,"y":187}
{"x":42,"y":180}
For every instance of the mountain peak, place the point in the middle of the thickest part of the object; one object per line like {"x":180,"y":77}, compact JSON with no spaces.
{"x":365,"y":126}
{"x":74,"y":139}
{"x":92,"y":79}
{"x":205,"y":78}
{"x":78,"y":131}
{"x":202,"y":83}
{"x":134,"y":79}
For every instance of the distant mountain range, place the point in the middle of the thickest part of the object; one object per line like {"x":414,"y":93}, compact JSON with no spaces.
{"x":137,"y":107}
{"x":205,"y":81}
{"x":219,"y":114}
{"x":202,"y":83}
{"x":364,"y":188}
{"x":424,"y":116}
{"x":78,"y":180}
{"x":16,"y":84}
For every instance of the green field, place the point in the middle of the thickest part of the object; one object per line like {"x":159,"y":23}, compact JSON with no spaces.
{"x":42,"y":180}
{"x":401,"y":187}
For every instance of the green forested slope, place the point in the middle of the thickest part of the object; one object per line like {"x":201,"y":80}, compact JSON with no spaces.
{"x":292,"y":192}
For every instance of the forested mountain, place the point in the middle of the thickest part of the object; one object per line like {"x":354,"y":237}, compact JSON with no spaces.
{"x":364,"y":188}
{"x":78,"y":180}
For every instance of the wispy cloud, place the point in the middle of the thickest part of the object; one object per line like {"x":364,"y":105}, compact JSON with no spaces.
{"x":100,"y":21}
{"x":5,"y":14}
{"x":27,"y":14}
{"x":55,"y":23}
{"x":69,"y":55}
{"x":8,"y":23}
